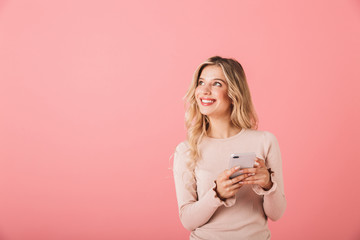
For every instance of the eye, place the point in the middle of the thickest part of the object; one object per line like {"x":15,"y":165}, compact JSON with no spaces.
{"x":218,"y":83}
{"x":200,"y":82}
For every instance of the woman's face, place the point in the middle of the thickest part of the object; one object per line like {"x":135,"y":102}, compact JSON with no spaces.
{"x":212,"y":93}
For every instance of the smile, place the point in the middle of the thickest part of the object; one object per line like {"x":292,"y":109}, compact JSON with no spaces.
{"x":207,"y":102}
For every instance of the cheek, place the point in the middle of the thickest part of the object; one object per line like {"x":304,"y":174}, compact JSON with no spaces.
{"x":222,"y":95}
{"x":197,"y":91}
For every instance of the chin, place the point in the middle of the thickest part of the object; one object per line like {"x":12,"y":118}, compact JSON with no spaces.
{"x":209,"y":114}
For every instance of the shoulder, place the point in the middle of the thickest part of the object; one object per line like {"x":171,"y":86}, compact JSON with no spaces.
{"x":270,"y":142}
{"x":266,"y":137}
{"x":182,"y":147}
{"x":182,"y":150}
{"x":269,"y":136}
{"x":261,"y":134}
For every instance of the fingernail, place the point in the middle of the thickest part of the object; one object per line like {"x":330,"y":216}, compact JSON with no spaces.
{"x":241,"y":182}
{"x":238,"y":167}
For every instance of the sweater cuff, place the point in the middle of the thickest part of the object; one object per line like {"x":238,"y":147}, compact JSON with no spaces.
{"x":227,"y":203}
{"x":260,"y":191}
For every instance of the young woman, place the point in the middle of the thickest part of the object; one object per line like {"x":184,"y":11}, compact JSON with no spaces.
{"x":221,"y":120}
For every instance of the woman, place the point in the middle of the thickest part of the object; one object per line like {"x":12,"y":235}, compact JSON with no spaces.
{"x":221,"y":120}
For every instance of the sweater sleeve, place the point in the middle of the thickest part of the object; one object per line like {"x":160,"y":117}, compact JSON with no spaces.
{"x":274,"y":199}
{"x":193,"y":212}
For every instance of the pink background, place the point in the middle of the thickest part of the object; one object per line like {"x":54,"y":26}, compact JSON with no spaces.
{"x":91,"y":110}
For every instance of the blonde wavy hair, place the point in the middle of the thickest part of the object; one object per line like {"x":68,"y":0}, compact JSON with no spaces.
{"x":243,"y":113}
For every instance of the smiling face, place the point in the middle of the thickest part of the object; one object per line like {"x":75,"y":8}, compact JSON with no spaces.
{"x":212,"y":93}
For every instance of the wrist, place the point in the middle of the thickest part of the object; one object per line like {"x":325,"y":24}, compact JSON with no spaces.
{"x":268,"y":186}
{"x":217,"y":193}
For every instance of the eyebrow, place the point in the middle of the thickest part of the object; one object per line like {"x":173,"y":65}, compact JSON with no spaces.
{"x":215,"y":79}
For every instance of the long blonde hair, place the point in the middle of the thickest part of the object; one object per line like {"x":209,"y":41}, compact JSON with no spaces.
{"x":243,"y":113}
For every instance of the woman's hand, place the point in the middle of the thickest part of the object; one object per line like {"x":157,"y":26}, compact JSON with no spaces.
{"x":259,"y":175}
{"x":226,"y":187}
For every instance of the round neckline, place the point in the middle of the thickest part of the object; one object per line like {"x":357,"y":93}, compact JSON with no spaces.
{"x":225,"y":139}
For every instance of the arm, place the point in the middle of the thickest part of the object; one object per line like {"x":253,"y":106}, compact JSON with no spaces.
{"x":193,"y":212}
{"x":274,"y":198}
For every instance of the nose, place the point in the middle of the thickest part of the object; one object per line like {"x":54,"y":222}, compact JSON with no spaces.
{"x":206,"y":89}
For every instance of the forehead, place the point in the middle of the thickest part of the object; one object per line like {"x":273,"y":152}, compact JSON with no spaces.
{"x":212,"y":71}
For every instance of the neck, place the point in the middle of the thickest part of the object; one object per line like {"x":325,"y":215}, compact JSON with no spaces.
{"x":221,"y":128}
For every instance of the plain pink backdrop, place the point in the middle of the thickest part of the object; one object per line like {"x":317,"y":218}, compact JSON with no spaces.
{"x":91,"y":110}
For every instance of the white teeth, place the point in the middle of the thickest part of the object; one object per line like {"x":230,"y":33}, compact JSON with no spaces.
{"x":207,"y":101}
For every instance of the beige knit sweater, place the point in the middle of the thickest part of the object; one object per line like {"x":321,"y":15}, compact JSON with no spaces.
{"x":243,"y":216}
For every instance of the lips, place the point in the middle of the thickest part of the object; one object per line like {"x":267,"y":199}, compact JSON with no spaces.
{"x":207,"y":101}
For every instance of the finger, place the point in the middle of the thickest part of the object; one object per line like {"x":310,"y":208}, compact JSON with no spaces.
{"x":236,"y":186}
{"x":259,"y":175}
{"x":228,"y":183}
{"x":234,"y":181}
{"x":240,"y":178}
{"x":252,"y":178}
{"x":261,"y":162}
{"x":248,"y":170}
{"x":245,"y":182}
{"x":230,"y":172}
